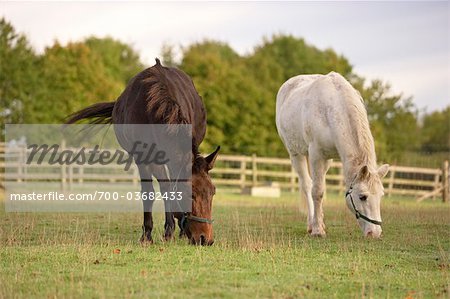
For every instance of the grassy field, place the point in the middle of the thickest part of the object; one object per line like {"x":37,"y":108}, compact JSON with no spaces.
{"x":261,"y":250}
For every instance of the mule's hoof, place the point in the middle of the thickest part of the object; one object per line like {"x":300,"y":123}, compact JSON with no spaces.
{"x":168,"y":238}
{"x":145,"y":240}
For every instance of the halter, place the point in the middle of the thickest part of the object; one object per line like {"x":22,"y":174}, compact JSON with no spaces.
{"x":189,"y":217}
{"x":186,"y":215}
{"x":358,"y":214}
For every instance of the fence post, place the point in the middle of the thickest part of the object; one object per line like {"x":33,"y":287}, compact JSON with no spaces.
{"x":242,"y":178}
{"x":63,"y":168}
{"x":445,"y":182}
{"x":254,"y":171}
{"x":21,"y":160}
{"x":80,"y":173}
{"x":70,"y":176}
{"x":436,"y":184}
{"x":391,"y":181}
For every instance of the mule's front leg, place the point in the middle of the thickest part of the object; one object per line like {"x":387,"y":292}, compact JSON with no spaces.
{"x":169,"y":225}
{"x":146,"y":189}
{"x":166,"y":185}
{"x":318,"y":168}
{"x":147,"y":227}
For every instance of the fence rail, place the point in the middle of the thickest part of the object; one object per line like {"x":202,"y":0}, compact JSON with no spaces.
{"x":231,"y":171}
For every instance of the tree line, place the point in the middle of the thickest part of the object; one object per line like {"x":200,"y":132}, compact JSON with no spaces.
{"x":239,"y":91}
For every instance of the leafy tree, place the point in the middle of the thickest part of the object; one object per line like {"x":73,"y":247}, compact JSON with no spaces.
{"x":74,"y":78}
{"x":80,"y":74}
{"x":228,"y":92}
{"x":393,"y":119}
{"x":278,"y":59}
{"x":436,"y":131}
{"x":168,"y":55}
{"x":240,"y":92}
{"x":19,"y":78}
{"x":293,"y":56}
{"x":119,"y":60}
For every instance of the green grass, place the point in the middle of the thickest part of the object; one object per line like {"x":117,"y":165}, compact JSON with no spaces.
{"x":261,"y":250}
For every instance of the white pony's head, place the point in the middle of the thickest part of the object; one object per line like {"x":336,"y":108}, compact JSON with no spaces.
{"x":364,"y":197}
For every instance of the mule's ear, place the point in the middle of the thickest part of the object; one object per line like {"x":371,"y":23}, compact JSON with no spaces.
{"x":211,"y":159}
{"x":383,"y":170}
{"x":363,"y":173}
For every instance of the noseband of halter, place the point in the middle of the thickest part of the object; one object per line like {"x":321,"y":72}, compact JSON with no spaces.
{"x":188,"y":217}
{"x":358,"y":213}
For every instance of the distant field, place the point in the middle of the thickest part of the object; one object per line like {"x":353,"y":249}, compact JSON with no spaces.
{"x":261,"y":250}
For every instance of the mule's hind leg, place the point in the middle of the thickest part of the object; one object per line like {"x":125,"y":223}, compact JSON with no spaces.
{"x":146,"y":187}
{"x":318,"y":167}
{"x":300,"y":165}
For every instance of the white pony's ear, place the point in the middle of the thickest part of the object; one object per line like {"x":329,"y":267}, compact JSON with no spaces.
{"x":383,"y":170}
{"x":363,"y":173}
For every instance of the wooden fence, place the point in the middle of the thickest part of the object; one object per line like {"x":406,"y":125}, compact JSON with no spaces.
{"x":235,"y":172}
{"x":246,"y":171}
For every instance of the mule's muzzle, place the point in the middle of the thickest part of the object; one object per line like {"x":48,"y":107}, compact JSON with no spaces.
{"x":202,"y":240}
{"x":197,"y":229}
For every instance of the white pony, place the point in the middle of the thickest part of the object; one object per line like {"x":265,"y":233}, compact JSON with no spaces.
{"x":323,"y":117}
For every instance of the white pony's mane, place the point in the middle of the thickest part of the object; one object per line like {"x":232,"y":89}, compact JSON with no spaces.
{"x":357,"y":114}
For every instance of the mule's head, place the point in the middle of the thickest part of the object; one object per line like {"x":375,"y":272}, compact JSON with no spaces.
{"x":198,"y":227}
{"x":364,"y":198}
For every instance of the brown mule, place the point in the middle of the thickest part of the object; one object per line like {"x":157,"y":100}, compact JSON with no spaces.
{"x":161,"y":95}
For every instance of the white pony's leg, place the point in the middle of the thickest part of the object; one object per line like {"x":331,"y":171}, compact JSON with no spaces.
{"x":327,"y":167}
{"x":300,"y":165}
{"x":318,"y":167}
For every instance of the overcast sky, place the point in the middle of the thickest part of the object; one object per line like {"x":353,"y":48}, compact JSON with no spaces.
{"x":403,"y":43}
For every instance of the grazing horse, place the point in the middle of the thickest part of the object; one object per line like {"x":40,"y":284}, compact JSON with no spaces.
{"x":320,"y":117}
{"x":161,"y":95}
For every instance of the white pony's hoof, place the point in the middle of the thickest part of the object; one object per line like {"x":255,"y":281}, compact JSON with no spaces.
{"x":318,"y":233}
{"x":310,"y":226}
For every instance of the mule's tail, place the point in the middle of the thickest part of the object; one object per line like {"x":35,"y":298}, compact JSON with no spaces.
{"x":100,"y":113}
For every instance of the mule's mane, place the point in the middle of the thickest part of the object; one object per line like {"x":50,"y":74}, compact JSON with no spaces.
{"x":163,"y":107}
